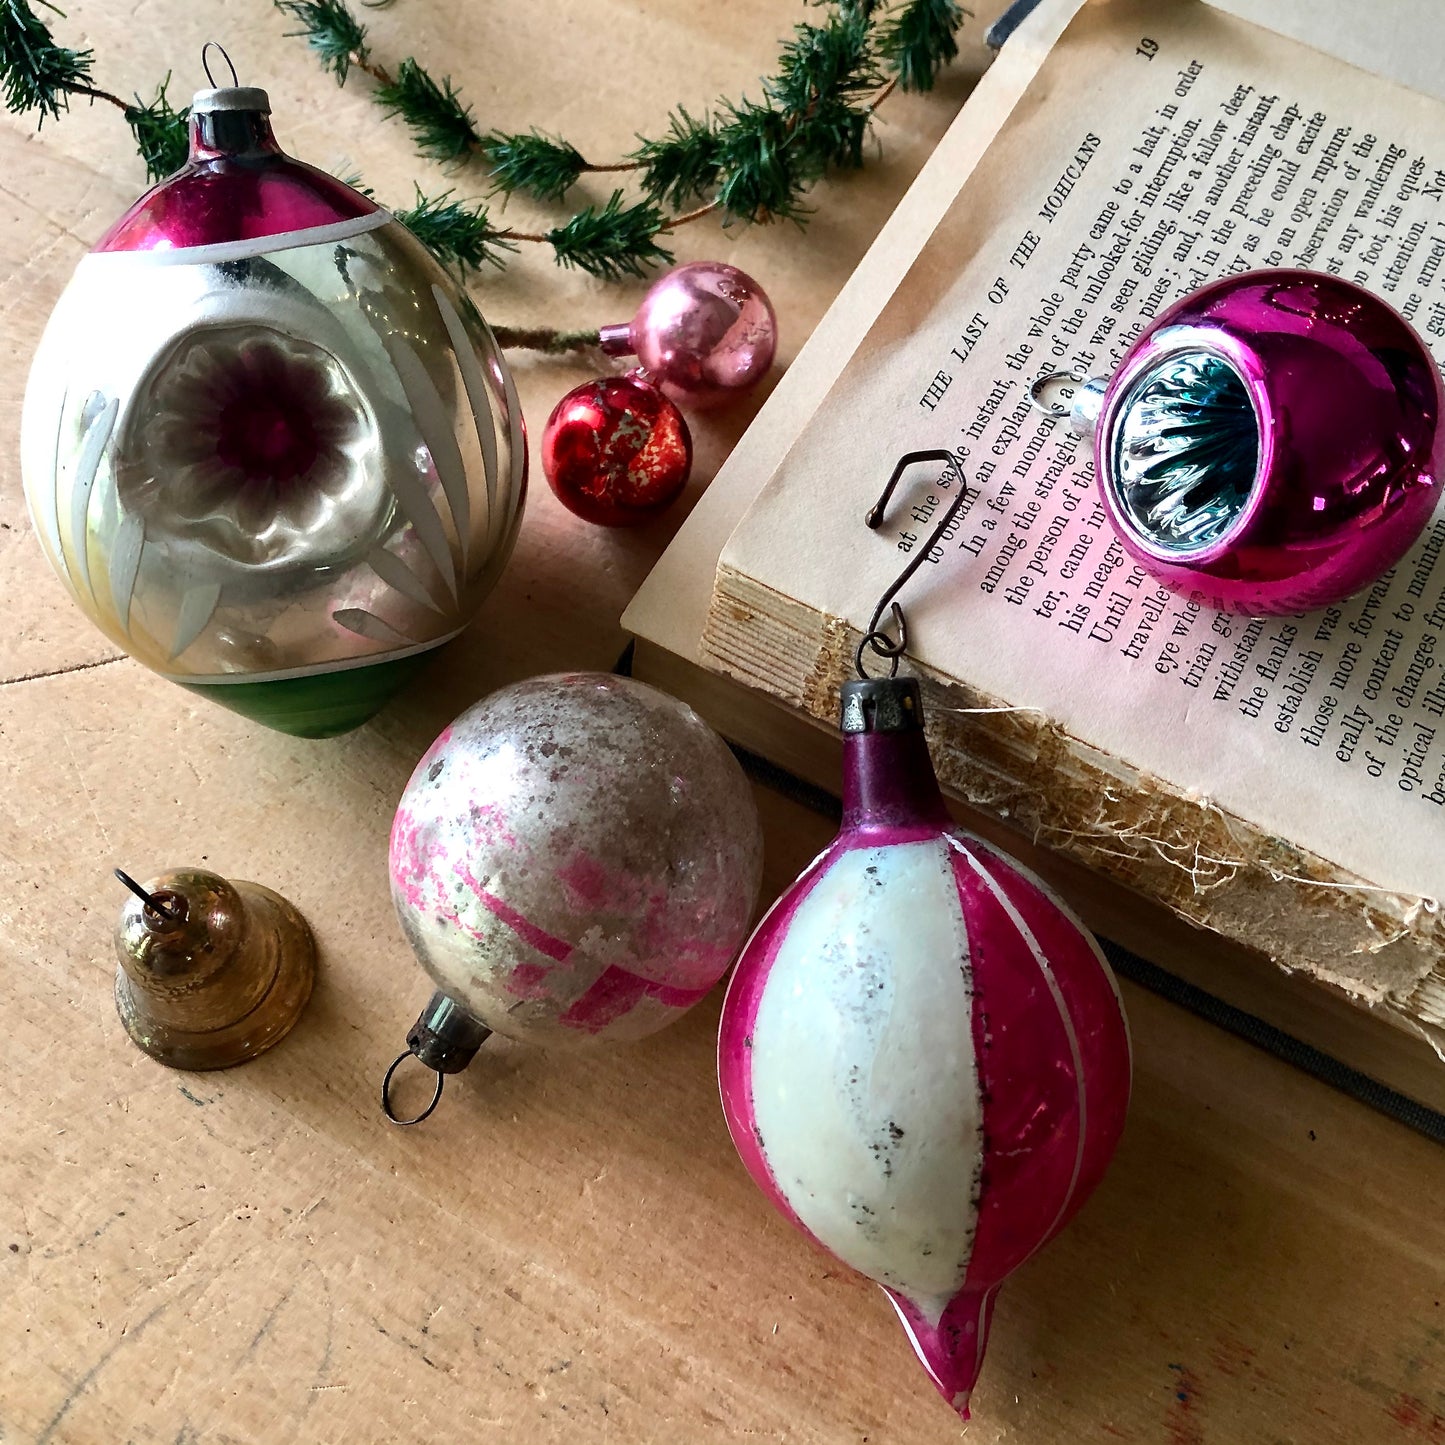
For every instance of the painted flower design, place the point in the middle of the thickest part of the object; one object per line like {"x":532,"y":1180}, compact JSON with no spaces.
{"x":258,"y":446}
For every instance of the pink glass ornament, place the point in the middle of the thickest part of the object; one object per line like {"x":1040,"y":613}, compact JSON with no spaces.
{"x":923,"y":1056}
{"x":1272,"y":442}
{"x":703,"y":333}
{"x":576,"y":858}
{"x":616,"y":451}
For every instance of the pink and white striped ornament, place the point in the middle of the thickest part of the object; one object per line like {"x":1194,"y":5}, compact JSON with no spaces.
{"x":923,"y":1056}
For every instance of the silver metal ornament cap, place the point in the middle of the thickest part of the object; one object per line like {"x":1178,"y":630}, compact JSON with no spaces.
{"x":231,"y":97}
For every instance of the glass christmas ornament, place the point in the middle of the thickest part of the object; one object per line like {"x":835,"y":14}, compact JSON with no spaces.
{"x":268,"y":444}
{"x":704,"y":332}
{"x":923,"y":1056}
{"x":575,"y":859}
{"x":1271,"y":442}
{"x":616,"y":451}
{"x":211,"y":973}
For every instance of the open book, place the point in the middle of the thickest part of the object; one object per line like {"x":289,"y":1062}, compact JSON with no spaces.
{"x":1279,"y":781}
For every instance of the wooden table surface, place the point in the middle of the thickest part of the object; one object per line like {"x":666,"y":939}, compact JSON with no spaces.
{"x":568,"y":1251}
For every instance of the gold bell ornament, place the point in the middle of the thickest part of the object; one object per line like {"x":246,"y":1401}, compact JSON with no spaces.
{"x":211,"y":973}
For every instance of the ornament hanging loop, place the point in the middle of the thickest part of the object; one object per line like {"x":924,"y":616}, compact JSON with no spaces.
{"x":386,"y":1104}
{"x":882,"y":644}
{"x":1047,"y":379}
{"x":206,"y":63}
{"x":1080,"y":398}
{"x":875,"y":638}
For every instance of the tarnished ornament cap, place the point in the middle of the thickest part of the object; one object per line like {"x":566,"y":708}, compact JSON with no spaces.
{"x":880,"y":705}
{"x":211,"y":973}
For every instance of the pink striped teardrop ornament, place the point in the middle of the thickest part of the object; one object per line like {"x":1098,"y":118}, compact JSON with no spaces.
{"x":923,"y":1056}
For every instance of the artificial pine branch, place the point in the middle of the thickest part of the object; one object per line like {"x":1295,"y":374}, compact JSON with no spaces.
{"x":762,"y":178}
{"x":162,"y":133}
{"x":754,"y":160}
{"x":917,"y":40}
{"x":37,"y":74}
{"x":457,"y":233}
{"x":827,"y":76}
{"x":536,"y":164}
{"x":332,"y":31}
{"x":440,"y":122}
{"x":684,"y":165}
{"x":615,"y":241}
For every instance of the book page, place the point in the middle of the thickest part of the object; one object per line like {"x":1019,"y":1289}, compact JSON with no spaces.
{"x":1158,"y":148}
{"x":1400,"y":42}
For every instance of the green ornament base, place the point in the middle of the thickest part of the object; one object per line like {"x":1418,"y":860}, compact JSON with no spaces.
{"x":319,"y":705}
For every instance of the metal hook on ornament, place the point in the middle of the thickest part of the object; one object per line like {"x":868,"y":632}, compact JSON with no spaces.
{"x":166,"y":905}
{"x":1082,"y":398}
{"x":875,"y":638}
{"x":230,"y":64}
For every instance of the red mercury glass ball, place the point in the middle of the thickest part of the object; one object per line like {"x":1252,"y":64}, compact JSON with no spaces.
{"x":616,"y":451}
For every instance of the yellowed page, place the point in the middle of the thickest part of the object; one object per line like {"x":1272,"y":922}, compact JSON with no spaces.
{"x":1158,"y":147}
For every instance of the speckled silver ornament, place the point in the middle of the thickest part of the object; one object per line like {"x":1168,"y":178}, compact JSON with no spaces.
{"x":576,"y":857}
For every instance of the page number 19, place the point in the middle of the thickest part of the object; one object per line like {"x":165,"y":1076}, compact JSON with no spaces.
{"x":1147,"y":48}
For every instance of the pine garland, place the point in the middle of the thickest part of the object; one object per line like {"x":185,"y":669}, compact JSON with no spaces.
{"x":746,"y":160}
{"x":749,"y":160}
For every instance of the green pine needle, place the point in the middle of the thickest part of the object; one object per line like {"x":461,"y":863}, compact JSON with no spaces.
{"x":457,"y":233}
{"x":763,"y":177}
{"x":162,"y":133}
{"x":440,"y":123}
{"x":754,"y":160}
{"x":827,"y":75}
{"x":331,"y":30}
{"x":615,"y":241}
{"x":682,"y":167}
{"x":35,"y":72}
{"x":833,"y":61}
{"x":536,"y":164}
{"x":917,"y":41}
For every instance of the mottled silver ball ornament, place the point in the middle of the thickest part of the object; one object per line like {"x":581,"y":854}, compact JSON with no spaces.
{"x":576,"y":858}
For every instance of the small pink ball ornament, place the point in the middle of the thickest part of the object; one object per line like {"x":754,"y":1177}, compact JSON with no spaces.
{"x":704,"y":332}
{"x":923,"y":1056}
{"x":575,"y":859}
{"x":1271,"y":443}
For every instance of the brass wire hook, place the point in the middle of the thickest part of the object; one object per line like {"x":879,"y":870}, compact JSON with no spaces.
{"x":882,"y":644}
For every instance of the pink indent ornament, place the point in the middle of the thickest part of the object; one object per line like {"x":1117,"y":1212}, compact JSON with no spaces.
{"x":704,"y":332}
{"x":923,"y":1056}
{"x":1272,"y":443}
